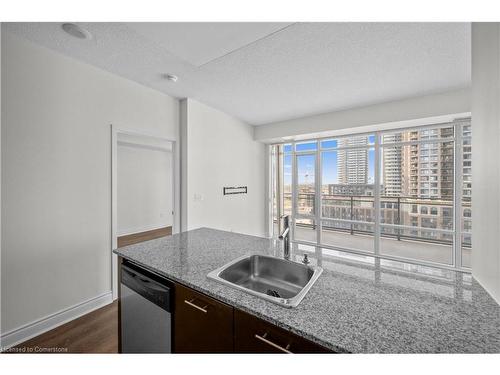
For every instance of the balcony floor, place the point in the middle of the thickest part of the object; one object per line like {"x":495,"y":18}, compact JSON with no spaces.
{"x":419,"y":250}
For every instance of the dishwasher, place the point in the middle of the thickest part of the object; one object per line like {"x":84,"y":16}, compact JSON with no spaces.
{"x":146,"y":306}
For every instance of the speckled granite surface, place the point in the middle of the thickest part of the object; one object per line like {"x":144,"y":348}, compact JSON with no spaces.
{"x":353,"y":307}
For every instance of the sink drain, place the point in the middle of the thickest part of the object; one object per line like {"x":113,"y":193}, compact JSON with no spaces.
{"x":273,"y":293}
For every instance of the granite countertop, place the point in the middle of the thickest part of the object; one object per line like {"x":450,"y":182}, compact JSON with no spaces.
{"x":377,"y":307}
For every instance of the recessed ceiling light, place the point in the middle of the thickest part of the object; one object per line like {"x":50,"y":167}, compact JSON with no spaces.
{"x":76,"y":31}
{"x":170,"y":77}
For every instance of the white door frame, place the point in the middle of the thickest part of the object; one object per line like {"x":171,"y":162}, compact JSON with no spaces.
{"x":115,"y":131}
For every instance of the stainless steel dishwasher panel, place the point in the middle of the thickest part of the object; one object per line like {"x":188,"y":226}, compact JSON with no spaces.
{"x":145,"y":308}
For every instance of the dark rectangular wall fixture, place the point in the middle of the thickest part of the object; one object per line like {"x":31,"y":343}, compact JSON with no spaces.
{"x":235,"y":190}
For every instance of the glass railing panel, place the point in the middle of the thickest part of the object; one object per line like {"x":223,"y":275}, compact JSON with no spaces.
{"x":305,"y":230}
{"x":356,"y":236}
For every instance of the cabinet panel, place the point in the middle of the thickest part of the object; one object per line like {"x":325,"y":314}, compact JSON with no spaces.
{"x":201,"y":324}
{"x":253,"y":335}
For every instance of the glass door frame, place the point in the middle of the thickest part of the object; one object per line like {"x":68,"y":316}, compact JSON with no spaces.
{"x":317,"y":191}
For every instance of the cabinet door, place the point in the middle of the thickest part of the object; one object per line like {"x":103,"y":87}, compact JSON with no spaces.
{"x":201,"y":324}
{"x":253,"y":335}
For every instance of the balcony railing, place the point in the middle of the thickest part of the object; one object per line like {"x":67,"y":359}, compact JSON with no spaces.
{"x":355,"y":214}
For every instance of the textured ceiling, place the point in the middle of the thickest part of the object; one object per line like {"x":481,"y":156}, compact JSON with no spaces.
{"x":266,"y":72}
{"x":201,"y":43}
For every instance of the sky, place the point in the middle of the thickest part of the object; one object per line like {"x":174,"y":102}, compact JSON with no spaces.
{"x":306,"y":163}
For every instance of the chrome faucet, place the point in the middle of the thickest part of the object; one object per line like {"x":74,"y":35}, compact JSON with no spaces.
{"x":285,"y":237}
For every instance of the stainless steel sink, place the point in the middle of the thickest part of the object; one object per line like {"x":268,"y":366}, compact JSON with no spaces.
{"x":277,"y":280}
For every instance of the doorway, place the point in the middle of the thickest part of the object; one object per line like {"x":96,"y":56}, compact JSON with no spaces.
{"x":143,"y":190}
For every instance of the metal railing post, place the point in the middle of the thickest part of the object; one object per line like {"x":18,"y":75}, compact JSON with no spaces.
{"x":352,"y":216}
{"x":399,"y":218}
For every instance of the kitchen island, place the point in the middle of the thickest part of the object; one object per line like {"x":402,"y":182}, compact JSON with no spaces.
{"x":356,"y":307}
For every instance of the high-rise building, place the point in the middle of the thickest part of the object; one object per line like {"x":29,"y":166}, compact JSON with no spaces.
{"x":466,"y":161}
{"x":466,"y":183}
{"x":427,"y":168}
{"x":391,"y":157}
{"x":352,"y":164}
{"x":427,"y":175}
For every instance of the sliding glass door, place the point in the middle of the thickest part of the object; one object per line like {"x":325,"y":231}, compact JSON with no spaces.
{"x":304,"y":197}
{"x":347,"y":192}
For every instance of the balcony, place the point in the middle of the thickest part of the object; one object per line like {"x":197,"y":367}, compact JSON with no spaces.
{"x":425,"y":237}
{"x":407,"y":248}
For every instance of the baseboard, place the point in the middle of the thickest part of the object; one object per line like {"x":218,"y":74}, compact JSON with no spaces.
{"x":33,"y":329}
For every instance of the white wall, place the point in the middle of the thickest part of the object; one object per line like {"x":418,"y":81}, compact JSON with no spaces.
{"x":56,"y":177}
{"x":218,"y":151}
{"x":397,"y":112}
{"x":485,"y":155}
{"x":145,"y":193}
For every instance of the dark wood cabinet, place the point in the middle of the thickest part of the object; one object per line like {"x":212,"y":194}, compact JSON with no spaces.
{"x":201,"y":324}
{"x":254,"y":335}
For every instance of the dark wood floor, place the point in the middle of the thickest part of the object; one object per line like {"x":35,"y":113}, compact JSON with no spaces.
{"x":130,"y":239}
{"x":96,"y":332}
